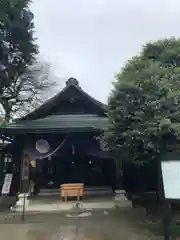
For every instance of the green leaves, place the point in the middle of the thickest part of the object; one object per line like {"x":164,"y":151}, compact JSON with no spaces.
{"x":144,"y":105}
{"x":18,"y":75}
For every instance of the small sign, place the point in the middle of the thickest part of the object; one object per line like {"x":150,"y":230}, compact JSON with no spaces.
{"x":171,"y":179}
{"x":7,"y":183}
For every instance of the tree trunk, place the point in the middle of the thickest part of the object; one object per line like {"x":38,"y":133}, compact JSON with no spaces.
{"x":7,"y":117}
{"x":7,"y":109}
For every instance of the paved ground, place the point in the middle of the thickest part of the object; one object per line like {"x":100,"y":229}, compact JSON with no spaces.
{"x":99,"y":226}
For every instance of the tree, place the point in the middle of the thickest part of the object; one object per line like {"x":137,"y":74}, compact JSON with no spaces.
{"x":143,"y":108}
{"x":21,"y":77}
{"x":37,"y":81}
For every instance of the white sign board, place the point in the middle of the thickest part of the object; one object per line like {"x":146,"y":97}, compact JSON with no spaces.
{"x":7,"y":183}
{"x":171,"y":179}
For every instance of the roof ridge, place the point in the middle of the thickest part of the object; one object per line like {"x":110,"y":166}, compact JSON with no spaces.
{"x":69,"y":83}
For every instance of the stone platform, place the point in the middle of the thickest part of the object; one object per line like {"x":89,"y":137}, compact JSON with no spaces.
{"x":94,"y":199}
{"x":47,"y":205}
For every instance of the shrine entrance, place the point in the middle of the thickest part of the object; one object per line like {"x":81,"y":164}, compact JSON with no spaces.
{"x":79,"y":161}
{"x":77,"y":169}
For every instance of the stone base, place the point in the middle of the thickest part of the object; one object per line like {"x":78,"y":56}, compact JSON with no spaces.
{"x":121,"y":199}
{"x":123,"y":204}
{"x":22,"y":201}
{"x":120,"y":195}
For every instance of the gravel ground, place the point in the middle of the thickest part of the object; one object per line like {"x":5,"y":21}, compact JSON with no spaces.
{"x":101,"y":225}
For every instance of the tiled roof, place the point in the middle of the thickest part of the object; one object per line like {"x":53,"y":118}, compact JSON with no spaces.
{"x":58,"y":123}
{"x":71,"y":83}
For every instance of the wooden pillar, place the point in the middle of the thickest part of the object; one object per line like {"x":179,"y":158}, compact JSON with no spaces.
{"x":25,"y":173}
{"x":119,"y":174}
{"x":119,"y":170}
{"x":1,"y":163}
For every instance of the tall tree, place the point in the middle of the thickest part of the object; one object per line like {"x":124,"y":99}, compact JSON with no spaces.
{"x":21,"y":77}
{"x":143,"y":109}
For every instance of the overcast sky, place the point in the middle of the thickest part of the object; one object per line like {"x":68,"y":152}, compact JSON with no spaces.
{"x":91,"y":39}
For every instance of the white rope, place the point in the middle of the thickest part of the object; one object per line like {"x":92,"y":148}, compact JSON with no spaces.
{"x":50,"y":154}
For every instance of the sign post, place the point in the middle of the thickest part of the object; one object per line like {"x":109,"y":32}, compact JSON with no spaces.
{"x":7,"y":184}
{"x":170,"y":181}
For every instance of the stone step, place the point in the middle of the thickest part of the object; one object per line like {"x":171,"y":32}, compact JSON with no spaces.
{"x":66,"y":206}
{"x":87,"y":192}
{"x":87,"y":189}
